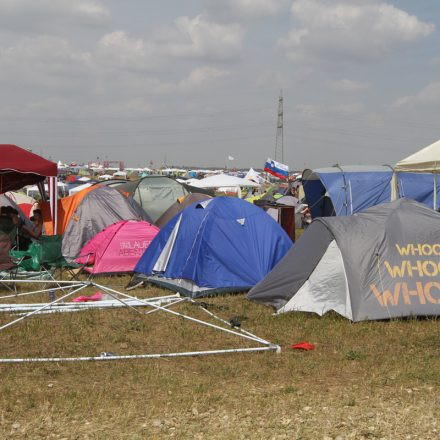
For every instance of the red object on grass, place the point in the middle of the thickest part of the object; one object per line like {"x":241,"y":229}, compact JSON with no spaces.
{"x":302,"y":346}
{"x":96,"y":297}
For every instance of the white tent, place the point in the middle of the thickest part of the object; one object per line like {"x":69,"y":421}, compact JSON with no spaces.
{"x":254,"y":176}
{"x":224,"y":181}
{"x":426,"y":160}
{"x":79,"y":188}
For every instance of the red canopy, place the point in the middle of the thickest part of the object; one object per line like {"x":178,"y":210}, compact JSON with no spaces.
{"x":19,"y":167}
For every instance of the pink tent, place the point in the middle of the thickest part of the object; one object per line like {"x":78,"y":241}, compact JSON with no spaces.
{"x":118,"y":247}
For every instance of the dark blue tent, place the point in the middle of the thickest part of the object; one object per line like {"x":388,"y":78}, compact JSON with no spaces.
{"x":218,"y":245}
{"x":345,"y":190}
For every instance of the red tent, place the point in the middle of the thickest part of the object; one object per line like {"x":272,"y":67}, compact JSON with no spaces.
{"x":19,"y":167}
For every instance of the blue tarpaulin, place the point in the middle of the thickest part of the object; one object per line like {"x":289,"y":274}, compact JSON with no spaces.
{"x":346,"y":190}
{"x":419,"y":187}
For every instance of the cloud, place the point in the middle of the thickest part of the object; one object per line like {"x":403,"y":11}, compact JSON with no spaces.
{"x":199,"y":38}
{"x":44,"y":60}
{"x":120,"y":50}
{"x":49,"y":17}
{"x":201,"y":77}
{"x":272,"y":78}
{"x":246,"y":9}
{"x":428,"y":96}
{"x":348,"y":30}
{"x":347,"y":85}
{"x":315,"y":110}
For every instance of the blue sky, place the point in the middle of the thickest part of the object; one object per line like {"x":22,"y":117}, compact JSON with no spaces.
{"x":193,"y":82}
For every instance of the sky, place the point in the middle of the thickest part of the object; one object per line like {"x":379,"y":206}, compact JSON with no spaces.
{"x":191,"y":82}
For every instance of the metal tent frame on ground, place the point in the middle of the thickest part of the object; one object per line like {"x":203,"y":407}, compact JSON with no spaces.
{"x":120,"y":299}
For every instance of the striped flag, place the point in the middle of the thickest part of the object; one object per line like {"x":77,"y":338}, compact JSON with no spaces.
{"x":277,"y":169}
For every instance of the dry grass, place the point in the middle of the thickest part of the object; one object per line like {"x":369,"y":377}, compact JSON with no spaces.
{"x":364,"y":381}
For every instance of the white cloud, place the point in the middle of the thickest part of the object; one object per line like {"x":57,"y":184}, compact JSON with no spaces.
{"x":118,"y":49}
{"x":201,"y":77}
{"x":272,"y":78}
{"x":314,"y":110}
{"x":350,"y":30}
{"x":43,"y":60}
{"x":347,"y":85}
{"x":198,"y":38}
{"x":246,"y":9}
{"x":48,"y":16}
{"x":429,"y":95}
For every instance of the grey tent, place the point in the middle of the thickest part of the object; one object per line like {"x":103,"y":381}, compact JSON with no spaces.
{"x":155,"y":194}
{"x":381,"y":263}
{"x":179,"y":206}
{"x":98,"y":209}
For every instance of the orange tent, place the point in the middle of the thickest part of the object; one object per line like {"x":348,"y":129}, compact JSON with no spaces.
{"x":66,"y":207}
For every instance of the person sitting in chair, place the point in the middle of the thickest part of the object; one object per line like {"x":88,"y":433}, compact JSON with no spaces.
{"x":37,"y":230}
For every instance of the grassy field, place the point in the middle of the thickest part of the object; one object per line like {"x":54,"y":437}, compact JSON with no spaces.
{"x":367,"y":380}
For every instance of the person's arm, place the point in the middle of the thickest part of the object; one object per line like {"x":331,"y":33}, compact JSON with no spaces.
{"x":33,"y":232}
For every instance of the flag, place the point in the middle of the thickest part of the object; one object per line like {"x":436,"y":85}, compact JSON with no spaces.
{"x":277,"y":169}
{"x":230,"y":158}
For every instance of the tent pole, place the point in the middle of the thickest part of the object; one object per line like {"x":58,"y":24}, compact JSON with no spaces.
{"x":394,"y":187}
{"x":111,"y":357}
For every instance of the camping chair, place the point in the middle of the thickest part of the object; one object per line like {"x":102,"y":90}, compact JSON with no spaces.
{"x":53,"y":258}
{"x":31,"y":263}
{"x":8,"y":268}
{"x":45,"y":257}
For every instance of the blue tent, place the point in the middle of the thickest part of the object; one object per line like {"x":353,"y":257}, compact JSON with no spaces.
{"x":218,"y":245}
{"x":345,"y":190}
{"x":419,"y":187}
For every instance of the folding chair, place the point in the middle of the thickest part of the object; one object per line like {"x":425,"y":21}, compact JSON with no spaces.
{"x":31,"y":263}
{"x":52,"y":257}
{"x":8,"y":268}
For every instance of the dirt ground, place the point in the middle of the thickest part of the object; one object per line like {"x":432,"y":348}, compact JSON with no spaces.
{"x":371,"y":380}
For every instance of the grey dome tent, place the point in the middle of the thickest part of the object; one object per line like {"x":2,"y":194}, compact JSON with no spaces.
{"x":98,"y":209}
{"x":378,"y":264}
{"x":155,"y":194}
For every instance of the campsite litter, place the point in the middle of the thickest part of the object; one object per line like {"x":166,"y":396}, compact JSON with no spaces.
{"x":84,"y":298}
{"x":120,"y":299}
{"x":306,"y":346}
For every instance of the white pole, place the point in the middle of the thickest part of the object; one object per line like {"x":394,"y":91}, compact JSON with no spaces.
{"x":226,"y":322}
{"x":351,"y":197}
{"x":105,"y":357}
{"x":41,"y":308}
{"x":15,"y":295}
{"x":191,"y":319}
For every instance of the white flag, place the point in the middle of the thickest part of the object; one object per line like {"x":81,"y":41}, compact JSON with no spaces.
{"x":230,"y":158}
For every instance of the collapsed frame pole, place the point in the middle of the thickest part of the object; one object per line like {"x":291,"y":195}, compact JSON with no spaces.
{"x":252,"y":338}
{"x":105,"y":357}
{"x":268,"y":346}
{"x":41,"y":308}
